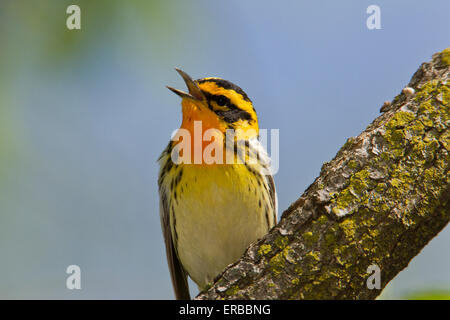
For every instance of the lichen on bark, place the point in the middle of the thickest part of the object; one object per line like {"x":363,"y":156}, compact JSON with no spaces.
{"x":382,"y":198}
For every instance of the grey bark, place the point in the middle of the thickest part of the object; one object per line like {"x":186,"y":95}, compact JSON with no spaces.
{"x":382,"y":198}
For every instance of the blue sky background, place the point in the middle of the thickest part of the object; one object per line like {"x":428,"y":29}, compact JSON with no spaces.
{"x":85,"y":115}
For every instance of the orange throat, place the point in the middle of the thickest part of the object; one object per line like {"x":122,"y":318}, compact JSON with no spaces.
{"x":201,"y":139}
{"x":202,"y":136}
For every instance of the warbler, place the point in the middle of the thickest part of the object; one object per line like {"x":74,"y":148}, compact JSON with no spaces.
{"x":211,"y":212}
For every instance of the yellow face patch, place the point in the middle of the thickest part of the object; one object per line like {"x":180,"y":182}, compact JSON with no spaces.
{"x":237,"y":100}
{"x":224,"y":107}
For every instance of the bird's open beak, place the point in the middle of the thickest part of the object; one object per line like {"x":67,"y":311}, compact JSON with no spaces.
{"x":194,"y":91}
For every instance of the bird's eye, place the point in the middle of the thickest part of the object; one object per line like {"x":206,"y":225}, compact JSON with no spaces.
{"x":221,"y":101}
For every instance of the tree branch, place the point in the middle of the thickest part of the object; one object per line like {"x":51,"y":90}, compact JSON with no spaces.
{"x":382,"y":198}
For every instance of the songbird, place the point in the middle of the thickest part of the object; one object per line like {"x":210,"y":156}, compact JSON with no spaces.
{"x":211,"y":212}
